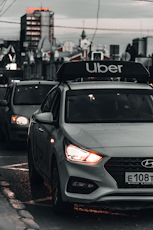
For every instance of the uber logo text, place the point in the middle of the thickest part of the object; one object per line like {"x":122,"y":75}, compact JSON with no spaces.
{"x":97,"y":68}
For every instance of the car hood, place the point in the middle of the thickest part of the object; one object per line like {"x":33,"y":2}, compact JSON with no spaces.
{"x":25,"y":110}
{"x":110,"y":135}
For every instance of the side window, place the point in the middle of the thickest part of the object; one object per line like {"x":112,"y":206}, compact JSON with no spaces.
{"x":46,"y":105}
{"x":56,"y":105}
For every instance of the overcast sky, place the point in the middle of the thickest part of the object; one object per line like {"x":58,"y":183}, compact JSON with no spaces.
{"x":135,"y":17}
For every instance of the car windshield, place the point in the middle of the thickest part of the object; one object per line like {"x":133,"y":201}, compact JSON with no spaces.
{"x":109,"y":106}
{"x":30,"y":94}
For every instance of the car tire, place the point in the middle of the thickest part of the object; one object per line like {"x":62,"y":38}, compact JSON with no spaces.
{"x":59,"y":207}
{"x":34,"y":177}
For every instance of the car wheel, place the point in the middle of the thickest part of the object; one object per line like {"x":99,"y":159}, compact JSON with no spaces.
{"x":59,"y":207}
{"x":34,"y":177}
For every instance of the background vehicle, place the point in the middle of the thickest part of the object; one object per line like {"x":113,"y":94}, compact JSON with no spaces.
{"x":20,"y":101}
{"x":93,"y":140}
{"x":2,"y":91}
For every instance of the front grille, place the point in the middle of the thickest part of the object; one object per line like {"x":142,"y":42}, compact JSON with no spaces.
{"x":117,"y":167}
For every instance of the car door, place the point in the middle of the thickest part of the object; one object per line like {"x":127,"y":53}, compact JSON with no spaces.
{"x":53,"y":132}
{"x":48,"y":135}
{"x":41,"y":134}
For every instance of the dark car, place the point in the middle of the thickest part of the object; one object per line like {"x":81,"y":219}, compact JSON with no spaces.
{"x":2,"y":91}
{"x":20,"y":101}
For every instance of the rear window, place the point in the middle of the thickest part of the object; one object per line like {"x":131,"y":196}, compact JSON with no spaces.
{"x":30,"y":94}
{"x":109,"y":106}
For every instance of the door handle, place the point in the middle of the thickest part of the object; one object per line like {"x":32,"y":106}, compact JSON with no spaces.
{"x":41,"y":130}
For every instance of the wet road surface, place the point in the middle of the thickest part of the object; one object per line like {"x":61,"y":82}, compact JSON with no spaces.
{"x":38,"y":201}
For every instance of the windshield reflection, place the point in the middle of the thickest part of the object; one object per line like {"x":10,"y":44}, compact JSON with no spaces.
{"x":109,"y":106}
{"x":30,"y":94}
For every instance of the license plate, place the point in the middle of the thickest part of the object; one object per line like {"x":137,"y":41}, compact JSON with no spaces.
{"x":139,"y":178}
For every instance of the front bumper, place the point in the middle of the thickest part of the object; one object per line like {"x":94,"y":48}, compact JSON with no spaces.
{"x":106,"y":189}
{"x":18,"y":133}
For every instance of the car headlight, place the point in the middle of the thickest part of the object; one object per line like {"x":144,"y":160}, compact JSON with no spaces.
{"x":19,"y":120}
{"x":74,"y":153}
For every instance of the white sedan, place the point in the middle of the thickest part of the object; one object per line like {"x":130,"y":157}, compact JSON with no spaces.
{"x":92,"y":140}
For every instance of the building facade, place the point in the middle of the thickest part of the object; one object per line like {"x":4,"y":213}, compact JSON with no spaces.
{"x":143,"y":46}
{"x":36,"y":24}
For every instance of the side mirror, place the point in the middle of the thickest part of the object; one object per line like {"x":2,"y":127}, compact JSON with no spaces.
{"x":3,"y":103}
{"x":46,"y":118}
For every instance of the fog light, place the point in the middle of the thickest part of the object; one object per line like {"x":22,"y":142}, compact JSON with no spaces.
{"x":80,"y":185}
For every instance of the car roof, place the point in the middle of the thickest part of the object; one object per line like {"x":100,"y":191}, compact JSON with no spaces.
{"x":33,"y":82}
{"x":107,"y":85}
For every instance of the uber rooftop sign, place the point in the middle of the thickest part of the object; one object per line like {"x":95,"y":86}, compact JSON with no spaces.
{"x":84,"y":69}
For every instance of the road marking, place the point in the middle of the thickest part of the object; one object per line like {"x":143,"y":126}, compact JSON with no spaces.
{"x":76,"y":208}
{"x":40,"y":200}
{"x":35,"y":202}
{"x":15,"y":167}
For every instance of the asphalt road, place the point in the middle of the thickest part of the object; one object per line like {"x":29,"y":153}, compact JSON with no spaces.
{"x":38,"y":201}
